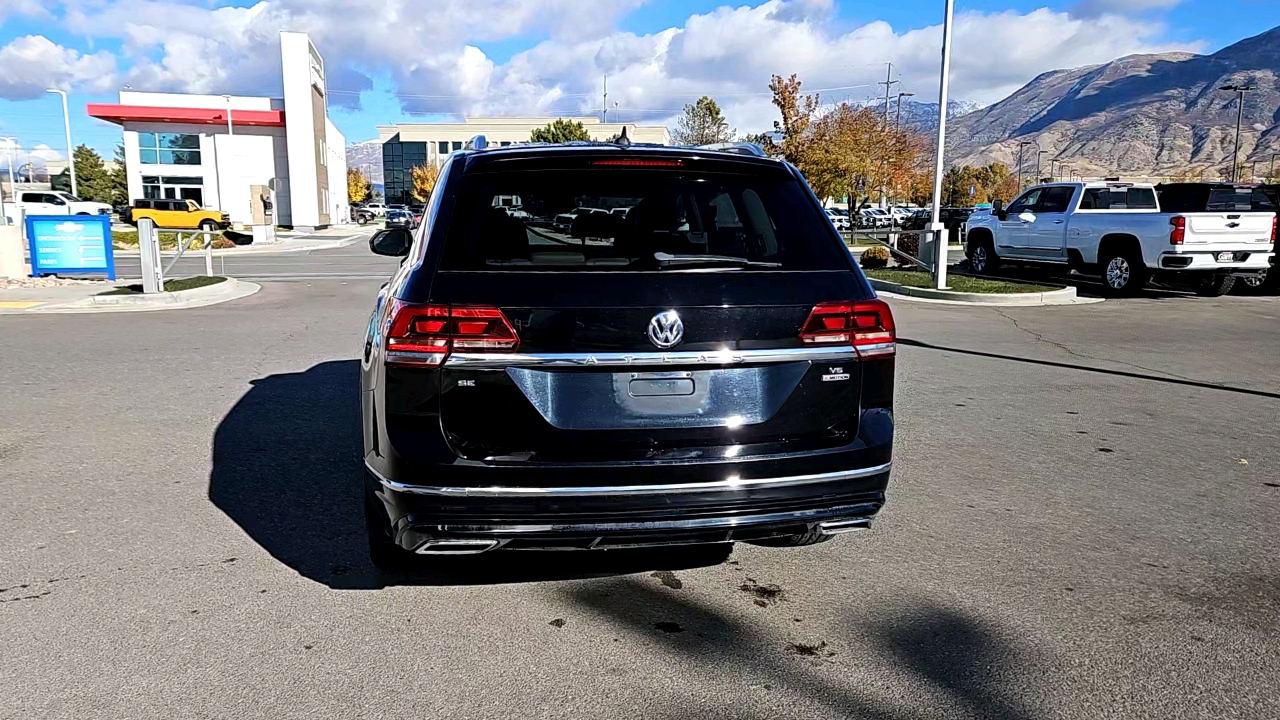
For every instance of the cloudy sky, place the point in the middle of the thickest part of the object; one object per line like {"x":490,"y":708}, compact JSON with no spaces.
{"x":393,"y":60}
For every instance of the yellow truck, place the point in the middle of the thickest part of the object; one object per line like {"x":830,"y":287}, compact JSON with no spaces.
{"x":182,"y":214}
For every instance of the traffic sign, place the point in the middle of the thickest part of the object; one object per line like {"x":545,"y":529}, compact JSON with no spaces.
{"x":70,"y":244}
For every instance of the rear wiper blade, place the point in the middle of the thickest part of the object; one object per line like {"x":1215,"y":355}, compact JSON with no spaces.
{"x":674,"y":261}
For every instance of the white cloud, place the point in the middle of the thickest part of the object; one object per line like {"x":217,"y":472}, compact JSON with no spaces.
{"x":32,"y":63}
{"x":1120,"y":7}
{"x":432,"y":52}
{"x":22,"y":7}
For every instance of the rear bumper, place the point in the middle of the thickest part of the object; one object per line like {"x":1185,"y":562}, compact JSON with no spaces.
{"x":453,"y":520}
{"x":1245,"y":258}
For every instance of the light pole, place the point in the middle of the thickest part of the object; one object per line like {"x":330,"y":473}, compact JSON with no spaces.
{"x":1271,"y":175}
{"x":1038,"y":154}
{"x":1239,"y":90}
{"x":897,"y":123}
{"x":940,"y":240}
{"x":66,"y":125}
{"x":1021,"y":144}
{"x":13,"y":190}
{"x":222,"y":201}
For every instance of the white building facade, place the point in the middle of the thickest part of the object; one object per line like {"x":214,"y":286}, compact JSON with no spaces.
{"x":182,"y":146}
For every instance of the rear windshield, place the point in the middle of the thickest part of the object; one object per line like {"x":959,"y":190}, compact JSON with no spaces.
{"x":1118,"y":198}
{"x":1228,"y":198}
{"x":636,"y":219}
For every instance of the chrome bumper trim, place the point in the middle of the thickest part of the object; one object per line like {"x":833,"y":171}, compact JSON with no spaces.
{"x":710,"y":357}
{"x":859,"y":513}
{"x":728,"y":484}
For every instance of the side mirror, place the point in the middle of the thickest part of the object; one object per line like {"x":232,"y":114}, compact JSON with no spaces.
{"x":997,"y":209}
{"x":394,"y":242}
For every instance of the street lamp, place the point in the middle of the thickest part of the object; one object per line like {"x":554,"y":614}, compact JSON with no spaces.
{"x":1021,"y":144}
{"x":1271,"y":175}
{"x":940,"y":241}
{"x":897,"y":124}
{"x":1038,"y":154}
{"x":1239,"y":90}
{"x":9,"y":142}
{"x":66,"y":125}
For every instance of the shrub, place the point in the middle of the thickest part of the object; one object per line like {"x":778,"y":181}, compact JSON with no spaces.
{"x":876,"y":257}
{"x":909,"y":243}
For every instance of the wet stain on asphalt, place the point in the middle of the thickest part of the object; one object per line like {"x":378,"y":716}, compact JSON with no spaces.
{"x":557,"y":623}
{"x":669,"y":579}
{"x":668,"y":627}
{"x":764,"y":595}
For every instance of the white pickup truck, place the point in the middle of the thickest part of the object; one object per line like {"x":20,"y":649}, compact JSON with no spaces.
{"x":1117,"y":231}
{"x":56,"y":202}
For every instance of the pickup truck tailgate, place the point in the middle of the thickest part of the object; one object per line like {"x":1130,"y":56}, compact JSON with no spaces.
{"x":1232,"y":227}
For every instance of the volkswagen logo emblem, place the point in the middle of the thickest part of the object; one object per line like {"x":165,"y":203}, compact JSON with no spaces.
{"x":666,"y":329}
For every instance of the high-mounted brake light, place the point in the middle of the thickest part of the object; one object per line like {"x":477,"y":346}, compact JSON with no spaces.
{"x":639,"y":162}
{"x":1179,"y":231}
{"x":423,"y":335}
{"x":867,"y":325}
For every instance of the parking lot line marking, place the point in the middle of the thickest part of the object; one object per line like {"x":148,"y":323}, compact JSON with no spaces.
{"x":19,"y":304}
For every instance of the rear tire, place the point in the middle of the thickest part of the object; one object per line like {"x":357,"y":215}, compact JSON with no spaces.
{"x":1252,"y":284}
{"x":384,"y":553}
{"x":1215,"y":285}
{"x":813,"y":537}
{"x":1123,"y":272}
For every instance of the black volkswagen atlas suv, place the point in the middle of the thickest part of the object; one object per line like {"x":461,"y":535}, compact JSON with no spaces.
{"x":608,"y":345}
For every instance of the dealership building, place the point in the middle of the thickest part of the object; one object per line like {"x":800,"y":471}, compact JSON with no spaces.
{"x":224,"y":151}
{"x":405,"y":145}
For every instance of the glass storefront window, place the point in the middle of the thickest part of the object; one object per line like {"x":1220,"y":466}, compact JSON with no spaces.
{"x":168,"y":148}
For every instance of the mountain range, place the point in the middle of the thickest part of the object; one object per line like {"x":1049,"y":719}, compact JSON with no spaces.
{"x":1153,"y":115}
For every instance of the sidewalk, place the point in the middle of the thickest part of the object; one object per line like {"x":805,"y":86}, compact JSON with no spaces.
{"x":62,"y":295}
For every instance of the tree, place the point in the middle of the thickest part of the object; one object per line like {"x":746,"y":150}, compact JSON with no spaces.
{"x":95,"y":181}
{"x":559,"y":131}
{"x":117,"y":180}
{"x":358,"y":186}
{"x":424,"y":181}
{"x":703,"y":124}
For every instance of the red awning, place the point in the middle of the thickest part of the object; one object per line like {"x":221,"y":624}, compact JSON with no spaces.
{"x":207,"y":116}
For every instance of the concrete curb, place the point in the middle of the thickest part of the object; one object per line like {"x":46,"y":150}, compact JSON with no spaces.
{"x":1065,"y":296}
{"x":229,"y":289}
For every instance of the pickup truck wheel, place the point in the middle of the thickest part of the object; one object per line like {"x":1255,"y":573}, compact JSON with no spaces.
{"x":208,"y":225}
{"x":983,"y":260}
{"x":1215,"y":285}
{"x":1123,"y":274}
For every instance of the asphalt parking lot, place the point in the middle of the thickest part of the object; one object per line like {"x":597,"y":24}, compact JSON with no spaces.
{"x":1081,"y":523}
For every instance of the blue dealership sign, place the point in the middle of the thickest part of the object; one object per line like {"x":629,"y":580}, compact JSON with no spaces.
{"x":70,"y":244}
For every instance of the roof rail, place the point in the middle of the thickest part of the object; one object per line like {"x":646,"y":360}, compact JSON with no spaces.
{"x":476,"y":143}
{"x":740,"y":148}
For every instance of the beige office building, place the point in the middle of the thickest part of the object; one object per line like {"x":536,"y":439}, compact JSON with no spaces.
{"x":405,"y":145}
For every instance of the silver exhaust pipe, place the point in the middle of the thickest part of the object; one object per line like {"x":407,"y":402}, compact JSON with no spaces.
{"x":458,"y":546}
{"x":836,"y":527}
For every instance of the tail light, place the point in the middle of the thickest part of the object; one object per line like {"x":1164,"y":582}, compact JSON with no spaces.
{"x":423,"y":335}
{"x":867,"y":325}
{"x":1179,"y":230}
{"x":1274,"y":218}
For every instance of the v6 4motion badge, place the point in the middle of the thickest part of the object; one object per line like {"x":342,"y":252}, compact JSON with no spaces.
{"x":835,"y":374}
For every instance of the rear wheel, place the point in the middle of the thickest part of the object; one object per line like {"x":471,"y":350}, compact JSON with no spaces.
{"x":1252,"y":284}
{"x":813,"y":537}
{"x":385,"y":554}
{"x":1214,"y":285}
{"x":1123,"y":272}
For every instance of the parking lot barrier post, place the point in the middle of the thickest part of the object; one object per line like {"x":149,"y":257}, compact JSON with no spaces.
{"x":149,"y":255}
{"x":208,"y":253}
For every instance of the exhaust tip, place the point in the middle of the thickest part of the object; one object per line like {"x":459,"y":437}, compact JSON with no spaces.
{"x":836,"y":527}
{"x":446,"y":546}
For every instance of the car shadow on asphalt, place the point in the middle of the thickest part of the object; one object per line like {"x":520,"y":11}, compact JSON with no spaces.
{"x":947,"y":661}
{"x":287,"y":470}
